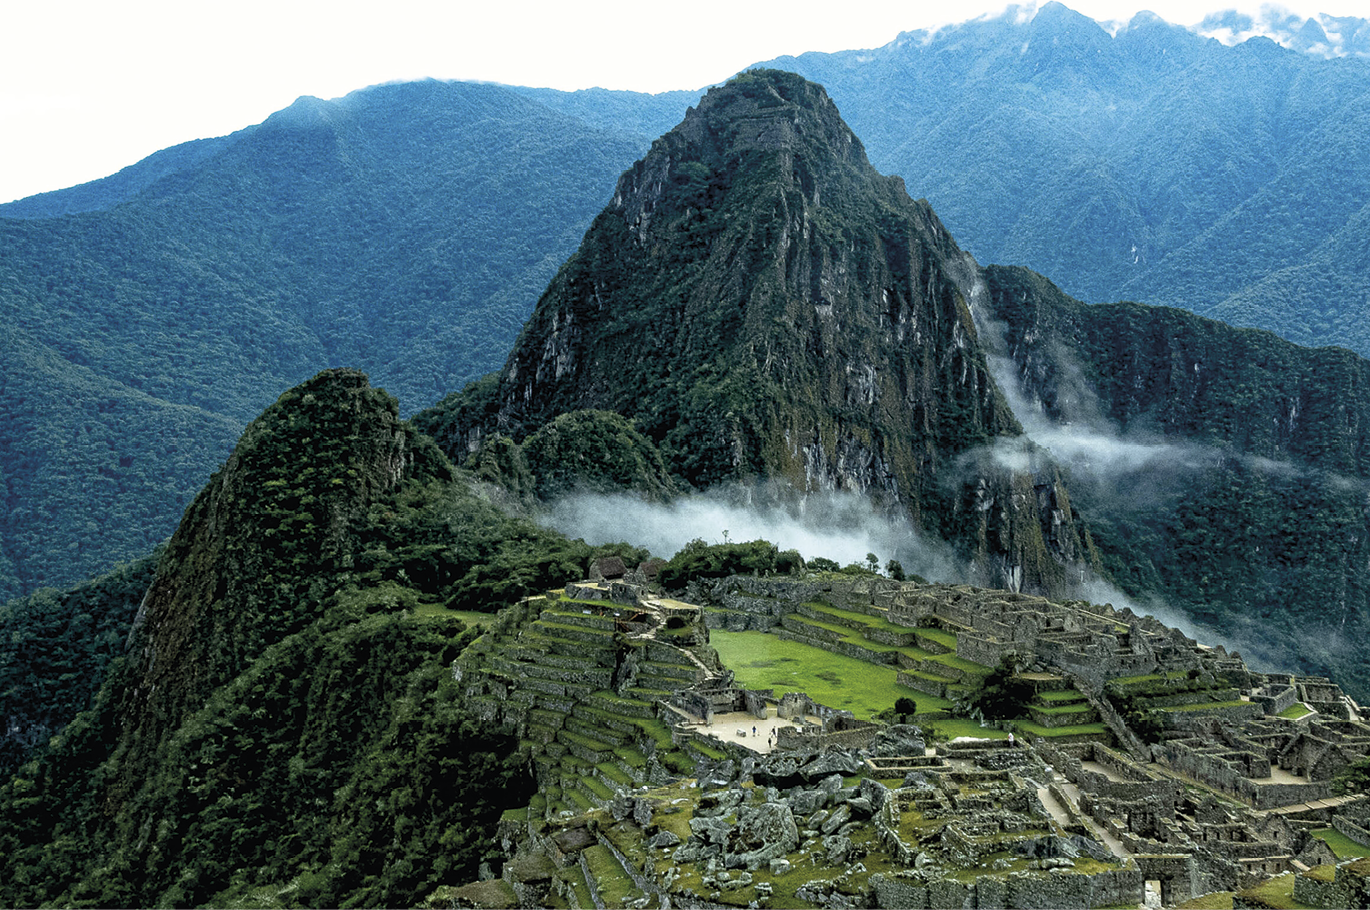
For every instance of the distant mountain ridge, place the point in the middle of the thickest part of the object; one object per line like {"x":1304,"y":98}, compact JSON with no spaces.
{"x":405,"y":229}
{"x":1320,"y":34}
{"x":1149,"y":164}
{"x":408,"y":230}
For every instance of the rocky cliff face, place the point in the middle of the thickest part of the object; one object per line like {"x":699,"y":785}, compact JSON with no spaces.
{"x":1223,"y":469}
{"x":762,"y":303}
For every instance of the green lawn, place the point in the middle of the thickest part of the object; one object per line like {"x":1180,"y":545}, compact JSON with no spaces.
{"x":1296,"y":710}
{"x":1277,"y":893}
{"x":763,"y":661}
{"x":1343,"y":846}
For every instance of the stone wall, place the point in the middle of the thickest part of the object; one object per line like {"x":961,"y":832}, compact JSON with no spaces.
{"x":1123,"y":887}
{"x":1217,"y":772}
{"x":983,"y":650}
{"x":1198,"y":719}
{"x":920,"y":684}
{"x":1352,"y":830}
{"x":1275,"y":699}
{"x":1349,"y":887}
{"x":845,"y":647}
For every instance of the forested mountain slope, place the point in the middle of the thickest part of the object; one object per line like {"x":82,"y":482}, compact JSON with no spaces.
{"x":284,"y":710}
{"x":763,"y":304}
{"x":405,"y":229}
{"x":1150,"y":165}
{"x":408,"y":229}
{"x":1221,"y":470}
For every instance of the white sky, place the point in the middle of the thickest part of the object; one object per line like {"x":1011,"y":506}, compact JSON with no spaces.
{"x":90,"y":86}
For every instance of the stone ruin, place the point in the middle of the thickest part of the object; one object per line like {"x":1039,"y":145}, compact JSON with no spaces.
{"x":1225,"y":797}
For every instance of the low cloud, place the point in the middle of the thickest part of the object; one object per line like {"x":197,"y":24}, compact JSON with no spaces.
{"x":840,"y":526}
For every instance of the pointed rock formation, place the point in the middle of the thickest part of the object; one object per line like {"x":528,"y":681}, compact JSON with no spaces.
{"x":763,"y":304}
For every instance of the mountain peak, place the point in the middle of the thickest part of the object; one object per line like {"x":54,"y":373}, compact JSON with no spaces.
{"x":763,"y":109}
{"x":241,"y":572}
{"x":768,"y":121}
{"x":763,"y":305}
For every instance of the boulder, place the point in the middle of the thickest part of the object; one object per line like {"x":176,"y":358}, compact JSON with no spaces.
{"x":804,"y":803}
{"x":663,"y":839}
{"x":830,"y":785}
{"x":840,"y":816}
{"x":829,"y":763}
{"x":876,"y":793}
{"x":839,"y":849}
{"x":898,"y":739}
{"x":710,"y":829}
{"x":769,"y":829}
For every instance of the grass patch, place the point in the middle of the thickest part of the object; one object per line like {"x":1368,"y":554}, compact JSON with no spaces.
{"x":763,"y":661}
{"x":865,"y":619}
{"x":1295,"y":711}
{"x":1081,"y":707}
{"x":698,"y":745}
{"x":1277,"y":893}
{"x":927,"y":703}
{"x":614,"y":885}
{"x":961,"y":663}
{"x":632,"y":757}
{"x":1218,"y":900}
{"x":1201,"y":706}
{"x":1343,"y":846}
{"x":954,"y":727}
{"x":941,"y":636}
{"x":1099,"y":730}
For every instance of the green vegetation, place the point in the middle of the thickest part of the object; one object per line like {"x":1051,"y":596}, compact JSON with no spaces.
{"x":1001,"y":695}
{"x":1343,"y":846}
{"x":321,"y":674}
{"x":57,"y":648}
{"x":692,"y":326}
{"x":597,"y":452}
{"x":698,"y":559}
{"x":1355,"y":778}
{"x":763,"y":661}
{"x":1218,"y":900}
{"x":1276,"y":893}
{"x":1259,"y":520}
{"x":405,"y":230}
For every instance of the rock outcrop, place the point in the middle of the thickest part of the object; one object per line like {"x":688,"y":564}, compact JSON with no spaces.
{"x":762,"y":303}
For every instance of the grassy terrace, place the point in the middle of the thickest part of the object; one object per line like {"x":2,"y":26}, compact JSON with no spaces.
{"x":1277,"y":892}
{"x":1343,"y":846}
{"x":941,"y":636}
{"x":1296,"y":710}
{"x":1075,"y":707}
{"x":850,"y":617}
{"x":1097,"y":731}
{"x":763,"y":661}
{"x":1202,"y":706}
{"x":1218,"y":900}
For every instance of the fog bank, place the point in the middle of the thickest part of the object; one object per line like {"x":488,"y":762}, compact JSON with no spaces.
{"x":843,"y":527}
